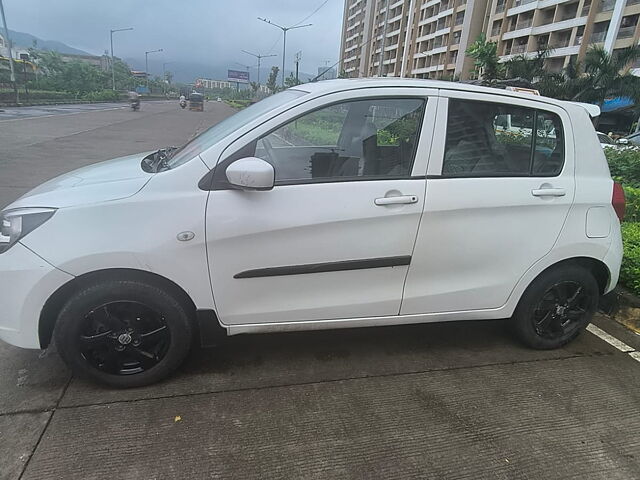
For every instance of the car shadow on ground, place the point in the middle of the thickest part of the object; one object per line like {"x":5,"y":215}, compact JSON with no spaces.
{"x":246,"y":362}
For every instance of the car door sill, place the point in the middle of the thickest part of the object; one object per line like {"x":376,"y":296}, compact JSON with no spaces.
{"x":486,"y":314}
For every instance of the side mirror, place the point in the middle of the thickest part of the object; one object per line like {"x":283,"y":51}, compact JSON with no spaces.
{"x":251,"y":173}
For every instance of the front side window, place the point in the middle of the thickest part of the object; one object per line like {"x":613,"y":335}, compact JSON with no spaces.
{"x":496,"y":140}
{"x":357,"y":140}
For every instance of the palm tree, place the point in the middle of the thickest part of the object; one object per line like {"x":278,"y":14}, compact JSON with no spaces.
{"x":487,"y":65}
{"x":526,"y":67}
{"x":607,"y":75}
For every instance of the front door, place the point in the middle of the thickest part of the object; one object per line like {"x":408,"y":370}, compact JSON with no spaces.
{"x":499,"y":189}
{"x":334,"y":238}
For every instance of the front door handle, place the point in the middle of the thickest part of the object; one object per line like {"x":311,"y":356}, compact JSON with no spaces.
{"x":549,"y":192}
{"x":401,"y":199}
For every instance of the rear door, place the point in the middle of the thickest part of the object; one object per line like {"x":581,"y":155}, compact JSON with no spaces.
{"x":498,"y":192}
{"x":334,"y":237}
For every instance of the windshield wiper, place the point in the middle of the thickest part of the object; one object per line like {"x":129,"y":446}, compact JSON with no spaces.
{"x":157,"y":161}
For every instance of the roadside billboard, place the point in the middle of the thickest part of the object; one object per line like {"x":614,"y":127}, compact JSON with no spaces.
{"x":238,"y":76}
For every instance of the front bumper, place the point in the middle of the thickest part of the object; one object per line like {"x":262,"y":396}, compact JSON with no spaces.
{"x":26,"y":283}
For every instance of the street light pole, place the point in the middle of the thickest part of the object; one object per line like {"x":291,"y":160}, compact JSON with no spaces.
{"x":259,"y":57}
{"x":113,"y":72}
{"x":6,"y":33}
{"x":146,"y":63}
{"x":164,"y":74}
{"x":284,"y":36}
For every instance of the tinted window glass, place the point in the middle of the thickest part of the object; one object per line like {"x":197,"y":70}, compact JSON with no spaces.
{"x":371,"y":139}
{"x":221,"y":129}
{"x":488,"y":139}
{"x":549,"y":153}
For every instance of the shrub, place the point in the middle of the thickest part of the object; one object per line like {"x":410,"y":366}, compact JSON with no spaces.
{"x":630,"y":270}
{"x":632,"y":210}
{"x":624,"y":165}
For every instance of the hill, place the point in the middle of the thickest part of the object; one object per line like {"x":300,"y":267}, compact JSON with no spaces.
{"x":21,"y":39}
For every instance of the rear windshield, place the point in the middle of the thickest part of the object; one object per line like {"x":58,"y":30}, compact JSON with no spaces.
{"x":220,"y":130}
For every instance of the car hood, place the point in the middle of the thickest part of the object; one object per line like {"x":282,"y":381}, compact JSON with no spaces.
{"x":111,"y":180}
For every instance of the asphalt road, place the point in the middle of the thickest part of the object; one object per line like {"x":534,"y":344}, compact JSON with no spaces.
{"x":455,"y":400}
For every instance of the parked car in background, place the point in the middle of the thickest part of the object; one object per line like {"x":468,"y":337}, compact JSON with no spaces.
{"x":606,"y":141}
{"x":633,"y":140}
{"x":344,"y":203}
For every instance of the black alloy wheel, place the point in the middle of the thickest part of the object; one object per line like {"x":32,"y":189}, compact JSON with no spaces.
{"x":560,"y":310}
{"x":124,"y":332}
{"x":556,"y":306}
{"x":124,"y":337}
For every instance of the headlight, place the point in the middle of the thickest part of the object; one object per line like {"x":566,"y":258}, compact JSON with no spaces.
{"x":15,"y":224}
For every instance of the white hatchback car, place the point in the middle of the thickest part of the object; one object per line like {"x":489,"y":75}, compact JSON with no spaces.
{"x":345,"y":203}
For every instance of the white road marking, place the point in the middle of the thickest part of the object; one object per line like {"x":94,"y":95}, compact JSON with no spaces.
{"x":611,"y":340}
{"x":33,"y":117}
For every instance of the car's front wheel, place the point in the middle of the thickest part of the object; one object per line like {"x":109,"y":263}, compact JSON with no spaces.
{"x":556,"y":307}
{"x":123,"y":333}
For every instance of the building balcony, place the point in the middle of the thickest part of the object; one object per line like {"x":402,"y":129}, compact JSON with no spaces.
{"x":607,"y":5}
{"x":518,"y":3}
{"x":627,"y":32}
{"x":597,"y":37}
{"x":518,"y":49}
{"x":564,"y":51}
{"x":561,"y":43}
{"x":524,"y":24}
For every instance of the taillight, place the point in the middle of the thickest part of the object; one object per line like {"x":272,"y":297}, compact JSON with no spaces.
{"x":618,"y":201}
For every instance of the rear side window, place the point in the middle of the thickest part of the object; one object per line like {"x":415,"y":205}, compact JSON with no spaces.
{"x":497,"y":140}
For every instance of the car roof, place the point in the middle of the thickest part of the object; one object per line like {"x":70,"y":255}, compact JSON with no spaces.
{"x":329,"y":86}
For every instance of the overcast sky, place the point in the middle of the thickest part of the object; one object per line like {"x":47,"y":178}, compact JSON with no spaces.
{"x":202,"y":31}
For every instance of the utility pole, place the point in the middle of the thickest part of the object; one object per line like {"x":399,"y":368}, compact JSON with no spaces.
{"x":6,"y":34}
{"x":113,"y":72}
{"x":259,"y":57}
{"x":164,"y":76}
{"x":298,"y":57}
{"x":284,"y":37}
{"x":24,"y":57}
{"x":146,"y":63}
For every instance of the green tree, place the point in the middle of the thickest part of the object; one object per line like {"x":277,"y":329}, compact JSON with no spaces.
{"x":528,"y":68}
{"x":607,"y":75}
{"x":291,"y":81}
{"x":487,"y":65}
{"x":601,"y":75}
{"x":272,"y":81}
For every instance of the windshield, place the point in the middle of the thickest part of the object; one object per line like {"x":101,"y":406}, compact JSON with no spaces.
{"x":220,"y":130}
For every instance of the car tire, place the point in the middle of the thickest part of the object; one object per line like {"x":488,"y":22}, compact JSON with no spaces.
{"x":124,"y":333}
{"x":556,"y":307}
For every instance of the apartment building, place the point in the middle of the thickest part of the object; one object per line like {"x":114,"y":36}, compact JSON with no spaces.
{"x":410,"y":38}
{"x":428,"y":38}
{"x":568,"y":27}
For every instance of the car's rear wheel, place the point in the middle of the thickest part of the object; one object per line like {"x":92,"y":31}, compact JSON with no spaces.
{"x":556,"y":307}
{"x":123,"y":333}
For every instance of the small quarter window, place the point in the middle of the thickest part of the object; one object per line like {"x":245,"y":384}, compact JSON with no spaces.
{"x":548,"y":158}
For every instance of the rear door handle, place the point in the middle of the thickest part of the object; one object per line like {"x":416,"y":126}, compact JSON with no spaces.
{"x":396,"y":200}
{"x":549,"y":192}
